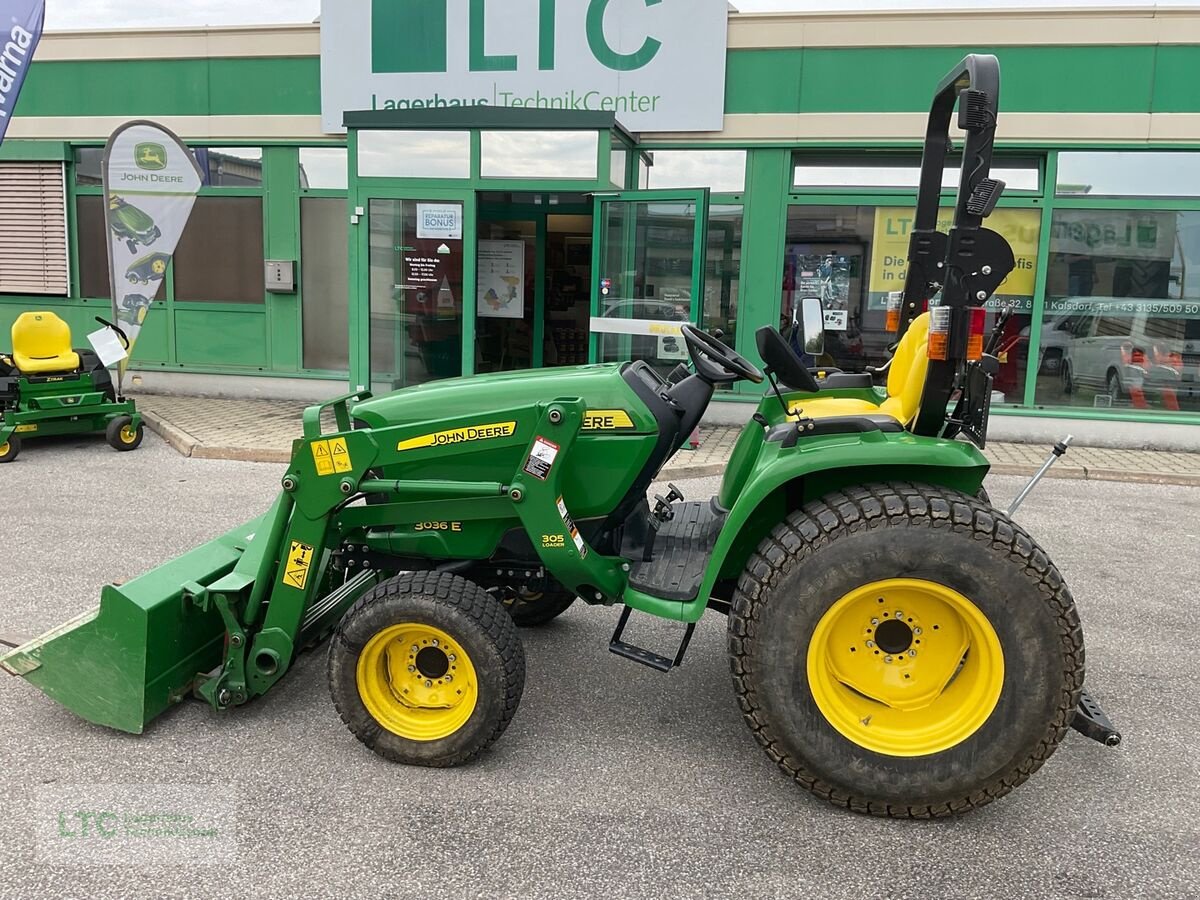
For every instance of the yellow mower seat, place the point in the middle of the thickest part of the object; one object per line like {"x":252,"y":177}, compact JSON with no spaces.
{"x":905,"y":384}
{"x":42,"y":344}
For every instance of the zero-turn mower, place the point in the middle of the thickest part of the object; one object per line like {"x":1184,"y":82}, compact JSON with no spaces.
{"x":898,"y":646}
{"x":46,"y":389}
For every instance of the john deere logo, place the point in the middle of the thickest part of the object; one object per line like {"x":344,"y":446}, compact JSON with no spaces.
{"x":150,"y":156}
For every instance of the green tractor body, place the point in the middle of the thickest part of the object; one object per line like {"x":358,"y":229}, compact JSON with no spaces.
{"x":48,"y":389}
{"x":897,"y":645}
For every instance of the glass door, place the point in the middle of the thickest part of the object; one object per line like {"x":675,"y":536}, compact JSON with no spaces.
{"x":647,"y":274}
{"x":419,"y":283}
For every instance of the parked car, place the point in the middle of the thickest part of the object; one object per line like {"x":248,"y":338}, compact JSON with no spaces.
{"x":1139,"y":346}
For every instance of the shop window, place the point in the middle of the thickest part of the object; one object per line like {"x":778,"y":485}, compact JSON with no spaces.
{"x":1018,"y":175}
{"x":852,"y":257}
{"x":722,"y":272}
{"x":93,"y":249}
{"x":618,"y":164}
{"x":1122,"y":322}
{"x":220,"y":256}
{"x":722,"y":171}
{"x":324,"y":168}
{"x":324,"y":280}
{"x":539,"y":154}
{"x":414,"y":154}
{"x":416,"y":269}
{"x":33,"y":229}
{"x":88,"y":163}
{"x":1131,"y":173}
{"x":230,"y":167}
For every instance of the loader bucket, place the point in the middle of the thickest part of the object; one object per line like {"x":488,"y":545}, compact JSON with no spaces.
{"x":139,"y":652}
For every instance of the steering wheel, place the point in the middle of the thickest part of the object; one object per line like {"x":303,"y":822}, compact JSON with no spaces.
{"x":717,"y":363}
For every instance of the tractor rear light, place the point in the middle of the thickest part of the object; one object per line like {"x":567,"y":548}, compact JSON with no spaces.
{"x":894,"y":301}
{"x":939,"y":333}
{"x":975,"y":337}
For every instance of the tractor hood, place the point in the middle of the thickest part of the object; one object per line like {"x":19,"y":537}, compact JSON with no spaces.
{"x":609,"y":398}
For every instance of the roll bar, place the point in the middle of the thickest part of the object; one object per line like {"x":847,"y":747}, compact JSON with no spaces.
{"x":969,"y":263}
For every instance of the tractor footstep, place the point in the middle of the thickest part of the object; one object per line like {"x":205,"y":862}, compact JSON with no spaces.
{"x":1090,"y":721}
{"x":647,"y":657}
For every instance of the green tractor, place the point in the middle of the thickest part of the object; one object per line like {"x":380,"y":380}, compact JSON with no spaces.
{"x":48,"y":389}
{"x":132,"y":225}
{"x":898,"y":646}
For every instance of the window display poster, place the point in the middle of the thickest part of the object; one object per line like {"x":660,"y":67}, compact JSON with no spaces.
{"x":440,"y":220}
{"x":501,"y":275}
{"x":830,"y":272}
{"x":893,"y":231}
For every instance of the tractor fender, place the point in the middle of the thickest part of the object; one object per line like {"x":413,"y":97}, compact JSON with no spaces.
{"x":783,"y":480}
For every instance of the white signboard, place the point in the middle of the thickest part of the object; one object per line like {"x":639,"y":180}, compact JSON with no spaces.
{"x":501,"y":276}
{"x":440,"y":220}
{"x":658,"y":64}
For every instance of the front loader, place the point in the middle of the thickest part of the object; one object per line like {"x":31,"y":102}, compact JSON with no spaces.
{"x":898,"y":646}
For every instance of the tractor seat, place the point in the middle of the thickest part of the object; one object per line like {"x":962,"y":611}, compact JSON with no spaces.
{"x":905,"y":384}
{"x":42,"y":344}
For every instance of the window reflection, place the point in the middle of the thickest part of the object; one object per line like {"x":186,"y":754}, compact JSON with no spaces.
{"x":901,"y":172}
{"x":414,"y":154}
{"x":722,"y":171}
{"x":323,"y":168}
{"x":1122,"y":321}
{"x":853,"y":257}
{"x":1129,"y":174}
{"x":539,"y":154}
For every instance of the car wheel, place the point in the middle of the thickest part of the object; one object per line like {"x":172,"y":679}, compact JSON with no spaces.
{"x":1068,"y":380}
{"x":1112,"y":385}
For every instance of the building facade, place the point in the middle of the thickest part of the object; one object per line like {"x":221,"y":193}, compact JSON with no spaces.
{"x":434,"y":242}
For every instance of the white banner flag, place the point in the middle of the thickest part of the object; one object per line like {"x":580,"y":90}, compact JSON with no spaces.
{"x":150,"y":185}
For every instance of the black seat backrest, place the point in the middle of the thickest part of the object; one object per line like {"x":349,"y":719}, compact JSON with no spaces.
{"x":779,"y":356}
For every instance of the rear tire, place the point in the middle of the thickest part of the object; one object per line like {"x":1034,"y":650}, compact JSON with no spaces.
{"x":10,"y":449}
{"x":448,"y":700}
{"x":1005,"y":669}
{"x":121,"y":437}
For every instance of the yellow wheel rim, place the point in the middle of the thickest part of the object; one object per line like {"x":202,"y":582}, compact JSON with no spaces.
{"x":128,"y":435}
{"x":417,"y":682}
{"x":905,"y":667}
{"x":4,"y":449}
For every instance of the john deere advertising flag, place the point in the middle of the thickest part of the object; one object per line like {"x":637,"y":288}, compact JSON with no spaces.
{"x":150,"y":183}
{"x":20,"y":31}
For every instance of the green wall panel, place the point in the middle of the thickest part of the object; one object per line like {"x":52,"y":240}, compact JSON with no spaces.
{"x":177,"y":87}
{"x":899,"y":79}
{"x":1176,"y":87}
{"x":236,"y":340}
{"x":153,"y":347}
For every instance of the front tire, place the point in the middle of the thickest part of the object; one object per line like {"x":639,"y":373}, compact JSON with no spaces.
{"x":123,"y":438}
{"x":10,"y":449}
{"x":824,"y":672}
{"x":427,"y":669}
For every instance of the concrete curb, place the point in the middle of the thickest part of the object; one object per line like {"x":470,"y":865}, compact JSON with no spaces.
{"x":178,"y":439}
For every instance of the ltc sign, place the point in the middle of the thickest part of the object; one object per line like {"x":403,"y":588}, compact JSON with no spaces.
{"x":658,"y":64}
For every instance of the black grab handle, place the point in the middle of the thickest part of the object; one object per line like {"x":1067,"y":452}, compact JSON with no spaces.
{"x":117,"y":328}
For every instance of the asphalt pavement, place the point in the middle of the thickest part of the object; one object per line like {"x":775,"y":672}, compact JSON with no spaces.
{"x":613,"y":780}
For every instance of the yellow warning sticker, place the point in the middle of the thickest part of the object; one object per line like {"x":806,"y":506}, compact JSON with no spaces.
{"x":460,"y":436}
{"x":299,"y":561}
{"x":341,"y":455}
{"x":26,"y":429}
{"x":606,"y":420}
{"x":323,"y":458}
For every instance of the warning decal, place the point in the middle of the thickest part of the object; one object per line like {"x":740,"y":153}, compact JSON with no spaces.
{"x":580,"y":545}
{"x":331,"y":456}
{"x":298,"y":563}
{"x":541,"y":458}
{"x":341,"y":455}
{"x":323,"y":458}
